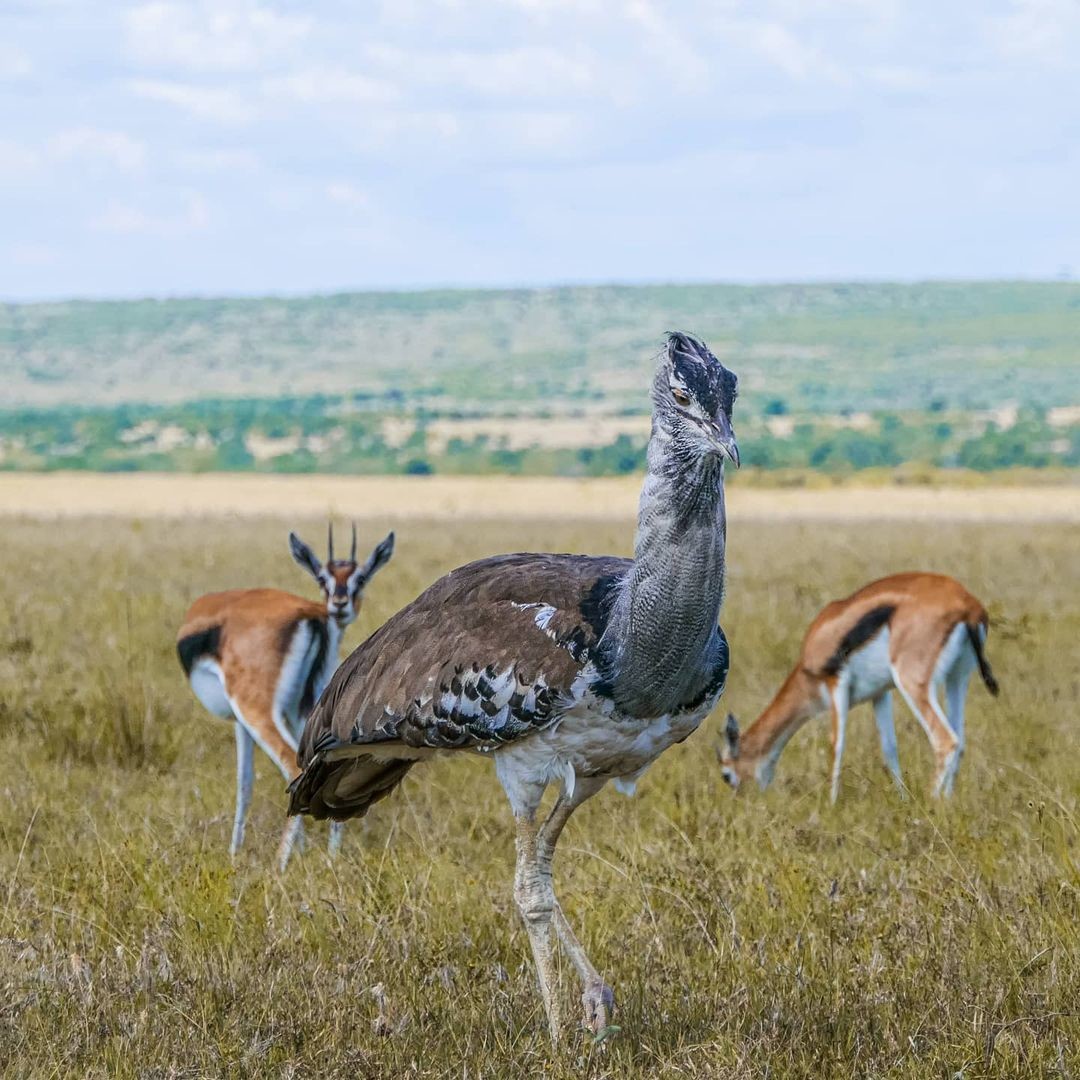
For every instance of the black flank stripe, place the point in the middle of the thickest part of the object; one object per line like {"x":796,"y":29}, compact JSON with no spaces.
{"x":195,"y":646}
{"x":858,"y":636}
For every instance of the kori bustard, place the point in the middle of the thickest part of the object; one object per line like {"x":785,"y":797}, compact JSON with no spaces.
{"x":564,"y":669}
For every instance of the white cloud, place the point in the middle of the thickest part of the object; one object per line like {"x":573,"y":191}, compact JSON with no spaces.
{"x":16,"y":159}
{"x":669,"y":46}
{"x":124,"y":218}
{"x":898,"y":77}
{"x":795,"y":57}
{"x":558,"y":137}
{"x":348,"y":195}
{"x":1046,"y":31}
{"x":211,"y":35}
{"x":527,"y":72}
{"x":203,"y":102}
{"x":329,"y":87}
{"x":96,"y":144}
{"x":14,"y":65}
{"x":217,"y":161}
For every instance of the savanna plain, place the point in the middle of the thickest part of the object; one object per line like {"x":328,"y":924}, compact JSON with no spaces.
{"x":763,"y":934}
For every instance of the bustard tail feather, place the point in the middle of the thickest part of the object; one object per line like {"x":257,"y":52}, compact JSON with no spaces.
{"x":346,"y":787}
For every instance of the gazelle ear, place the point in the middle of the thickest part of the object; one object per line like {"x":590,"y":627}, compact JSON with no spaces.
{"x":731,"y":735}
{"x":305,"y":556}
{"x":378,"y":558}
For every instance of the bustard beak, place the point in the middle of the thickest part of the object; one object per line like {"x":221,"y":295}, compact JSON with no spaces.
{"x":724,"y":439}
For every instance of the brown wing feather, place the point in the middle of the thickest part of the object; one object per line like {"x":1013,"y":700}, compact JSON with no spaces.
{"x":486,"y":655}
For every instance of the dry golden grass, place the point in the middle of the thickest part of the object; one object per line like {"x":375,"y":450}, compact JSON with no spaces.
{"x":150,"y":495}
{"x":763,"y":935}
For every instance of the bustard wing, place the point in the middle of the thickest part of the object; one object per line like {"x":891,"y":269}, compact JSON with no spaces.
{"x":490,"y":653}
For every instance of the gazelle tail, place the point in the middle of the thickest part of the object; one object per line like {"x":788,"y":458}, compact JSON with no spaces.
{"x":976,"y":633}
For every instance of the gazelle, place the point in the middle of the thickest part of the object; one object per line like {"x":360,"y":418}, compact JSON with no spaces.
{"x":916,"y":632}
{"x":261,"y":657}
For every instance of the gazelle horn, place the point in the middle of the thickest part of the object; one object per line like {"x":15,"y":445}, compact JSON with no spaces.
{"x":330,"y":542}
{"x":352,"y":554}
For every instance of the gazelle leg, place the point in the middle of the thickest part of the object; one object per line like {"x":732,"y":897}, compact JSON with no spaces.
{"x":883,"y":716}
{"x":245,"y":771}
{"x":261,"y":725}
{"x":536,"y":901}
{"x":956,"y":688}
{"x":333,"y":846}
{"x":921,"y":700}
{"x":838,"y":699}
{"x":597,"y":998}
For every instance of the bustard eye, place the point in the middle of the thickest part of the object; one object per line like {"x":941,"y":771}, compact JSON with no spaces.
{"x":681,"y":396}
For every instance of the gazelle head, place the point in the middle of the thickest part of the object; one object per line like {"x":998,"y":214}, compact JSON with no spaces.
{"x":341,"y":580}
{"x":738,"y":764}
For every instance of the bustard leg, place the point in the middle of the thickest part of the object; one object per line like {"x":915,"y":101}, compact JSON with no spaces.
{"x":536,"y":902}
{"x":597,"y":998}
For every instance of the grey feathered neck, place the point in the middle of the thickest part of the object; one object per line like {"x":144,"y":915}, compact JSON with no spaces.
{"x":662,"y":641}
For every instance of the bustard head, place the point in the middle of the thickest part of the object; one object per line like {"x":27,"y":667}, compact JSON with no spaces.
{"x":341,"y":580}
{"x":693,"y":395}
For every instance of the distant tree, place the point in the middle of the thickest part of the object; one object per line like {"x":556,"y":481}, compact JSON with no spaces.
{"x":233,"y":455}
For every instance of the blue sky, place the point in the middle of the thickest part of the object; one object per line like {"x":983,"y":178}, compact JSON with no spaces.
{"x":242,"y":146}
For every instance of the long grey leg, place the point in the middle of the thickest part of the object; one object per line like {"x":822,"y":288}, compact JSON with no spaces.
{"x":597,"y":998}
{"x":536,"y":902}
{"x":883,"y":716}
{"x":245,"y":771}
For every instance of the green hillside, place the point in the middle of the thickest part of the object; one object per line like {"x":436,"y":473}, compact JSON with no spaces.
{"x":833,"y":377}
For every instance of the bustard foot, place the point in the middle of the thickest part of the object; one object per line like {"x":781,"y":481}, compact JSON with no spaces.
{"x":598,"y":1000}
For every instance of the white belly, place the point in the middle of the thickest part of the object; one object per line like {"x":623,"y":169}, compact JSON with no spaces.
{"x":208,"y":682}
{"x":591,"y":740}
{"x":869,"y":671}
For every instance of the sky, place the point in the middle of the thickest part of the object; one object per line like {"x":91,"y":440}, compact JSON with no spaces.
{"x":169,"y":148}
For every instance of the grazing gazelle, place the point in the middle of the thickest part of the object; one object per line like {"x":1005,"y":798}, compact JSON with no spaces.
{"x":262,"y":657}
{"x":917,"y":632}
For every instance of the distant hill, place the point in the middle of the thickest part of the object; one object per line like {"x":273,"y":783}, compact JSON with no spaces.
{"x":542,"y":380}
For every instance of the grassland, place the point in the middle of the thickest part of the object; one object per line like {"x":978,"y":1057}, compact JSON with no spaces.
{"x":1030,"y":496}
{"x":759,"y":935}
